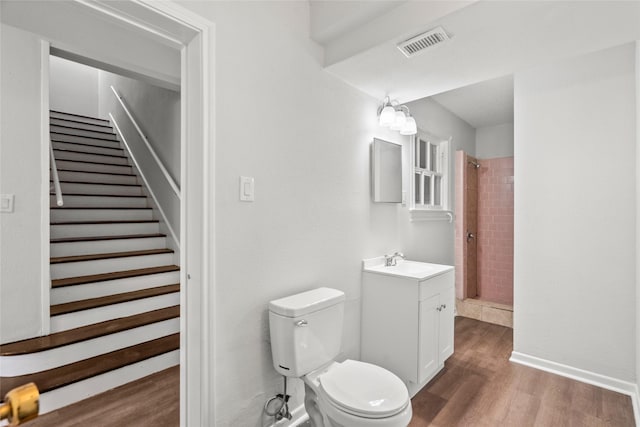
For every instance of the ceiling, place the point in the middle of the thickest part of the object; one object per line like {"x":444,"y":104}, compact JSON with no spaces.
{"x":483,"y":104}
{"x":489,"y":39}
{"x":331,"y":19}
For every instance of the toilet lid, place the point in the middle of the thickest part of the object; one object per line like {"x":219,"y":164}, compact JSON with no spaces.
{"x":364,"y":389}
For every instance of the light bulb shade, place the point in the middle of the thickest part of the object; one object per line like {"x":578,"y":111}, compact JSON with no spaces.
{"x":410,"y":127}
{"x":399,"y":121}
{"x":387,"y":116}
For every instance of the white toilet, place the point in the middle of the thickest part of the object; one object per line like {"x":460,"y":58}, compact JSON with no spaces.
{"x":306,"y":334}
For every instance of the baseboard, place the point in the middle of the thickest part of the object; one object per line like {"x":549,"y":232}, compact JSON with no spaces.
{"x":581,"y":375}
{"x":635,"y":399}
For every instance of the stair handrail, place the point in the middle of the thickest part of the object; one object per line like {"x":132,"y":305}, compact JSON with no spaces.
{"x":164,"y":170}
{"x":56,"y":180}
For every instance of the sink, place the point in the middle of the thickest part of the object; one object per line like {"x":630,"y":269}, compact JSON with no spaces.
{"x":405,"y":268}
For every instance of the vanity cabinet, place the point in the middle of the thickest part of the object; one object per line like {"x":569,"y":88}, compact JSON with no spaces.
{"x":408,"y":324}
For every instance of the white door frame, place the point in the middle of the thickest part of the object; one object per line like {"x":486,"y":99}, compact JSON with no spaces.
{"x":197,"y":225}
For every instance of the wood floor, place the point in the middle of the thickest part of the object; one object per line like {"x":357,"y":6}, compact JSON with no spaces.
{"x":151,"y":401}
{"x":480,"y":387}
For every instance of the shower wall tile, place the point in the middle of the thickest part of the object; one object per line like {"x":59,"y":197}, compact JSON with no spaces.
{"x":495,"y":230}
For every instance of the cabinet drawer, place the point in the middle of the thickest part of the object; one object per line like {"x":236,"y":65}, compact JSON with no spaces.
{"x":437,"y":284}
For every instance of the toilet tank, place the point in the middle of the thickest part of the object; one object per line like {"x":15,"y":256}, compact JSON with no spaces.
{"x":306,"y":330}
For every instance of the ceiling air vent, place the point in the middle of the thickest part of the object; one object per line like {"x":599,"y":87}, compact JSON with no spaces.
{"x":423,"y":41}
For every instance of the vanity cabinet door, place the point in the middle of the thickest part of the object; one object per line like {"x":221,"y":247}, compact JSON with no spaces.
{"x":428,"y":341}
{"x":447,"y":323}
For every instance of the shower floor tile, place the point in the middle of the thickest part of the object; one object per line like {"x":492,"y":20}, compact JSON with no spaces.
{"x":486,"y":311}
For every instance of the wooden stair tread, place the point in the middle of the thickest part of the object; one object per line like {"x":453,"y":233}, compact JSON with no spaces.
{"x":98,"y":207}
{"x":88,"y":332}
{"x":66,"y":150}
{"x":101,"y":195}
{"x":93,"y":257}
{"x":91,"y":278}
{"x":93,"y":238}
{"x":59,"y":377}
{"x":78,"y":115}
{"x":86,"y":130}
{"x":82,"y":144}
{"x":87,"y":304}
{"x":97,"y":183}
{"x":94,"y":172}
{"x":122,"y":221}
{"x":78,"y":121}
{"x":84,"y":136}
{"x":89,"y":162}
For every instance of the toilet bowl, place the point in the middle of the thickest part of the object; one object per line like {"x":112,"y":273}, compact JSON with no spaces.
{"x":306,"y":334}
{"x":356,"y":394}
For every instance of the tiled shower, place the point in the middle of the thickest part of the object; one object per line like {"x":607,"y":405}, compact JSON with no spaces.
{"x":484,"y":236}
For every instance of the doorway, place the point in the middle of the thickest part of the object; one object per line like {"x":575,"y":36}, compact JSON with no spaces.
{"x":484,"y":200}
{"x":72,"y":26}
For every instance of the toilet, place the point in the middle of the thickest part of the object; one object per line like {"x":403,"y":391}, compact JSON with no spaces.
{"x":306,"y":336}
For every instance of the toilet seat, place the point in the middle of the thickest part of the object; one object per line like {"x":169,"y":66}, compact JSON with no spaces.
{"x":363,"y":389}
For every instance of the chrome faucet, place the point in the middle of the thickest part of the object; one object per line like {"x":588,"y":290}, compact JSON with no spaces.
{"x":390,"y":261}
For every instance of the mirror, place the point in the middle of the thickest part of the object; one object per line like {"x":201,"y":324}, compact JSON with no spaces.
{"x":386,"y":171}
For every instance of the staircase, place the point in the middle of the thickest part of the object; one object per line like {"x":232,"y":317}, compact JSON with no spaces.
{"x":115,"y":288}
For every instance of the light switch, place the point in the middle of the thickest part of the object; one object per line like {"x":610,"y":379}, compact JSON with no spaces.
{"x":247,"y":188}
{"x":6,"y":203}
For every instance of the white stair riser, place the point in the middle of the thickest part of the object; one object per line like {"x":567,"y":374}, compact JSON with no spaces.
{"x":93,"y":167}
{"x":74,"y":187}
{"x":81,"y":390}
{"x":81,"y":125}
{"x":89,"y":157}
{"x":106,"y":246}
{"x":100,"y":201}
{"x":24,"y":364}
{"x":63,"y":215}
{"x":80,"y":132}
{"x":100,"y":289}
{"x":89,"y":230}
{"x":87,"y":148}
{"x":61,"y":115}
{"x":96,"y":177}
{"x":65,"y":322}
{"x":57,"y":136}
{"x":85,"y":268}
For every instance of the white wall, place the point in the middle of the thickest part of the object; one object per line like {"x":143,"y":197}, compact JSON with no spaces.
{"x":73,"y":87}
{"x":157,"y":112}
{"x":21,"y":172}
{"x":575,"y":203}
{"x":494,"y":141}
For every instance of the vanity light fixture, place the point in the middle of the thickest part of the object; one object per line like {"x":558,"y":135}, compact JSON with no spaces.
{"x":396,"y":117}
{"x":400,"y":120}
{"x":410,"y":127}
{"x":387,"y":113}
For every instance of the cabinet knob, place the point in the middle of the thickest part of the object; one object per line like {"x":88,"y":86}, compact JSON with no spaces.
{"x":301,"y":323}
{"x":444,"y":306}
{"x":439,"y":308}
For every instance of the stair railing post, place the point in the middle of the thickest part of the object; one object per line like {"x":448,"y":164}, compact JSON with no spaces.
{"x":56,"y":180}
